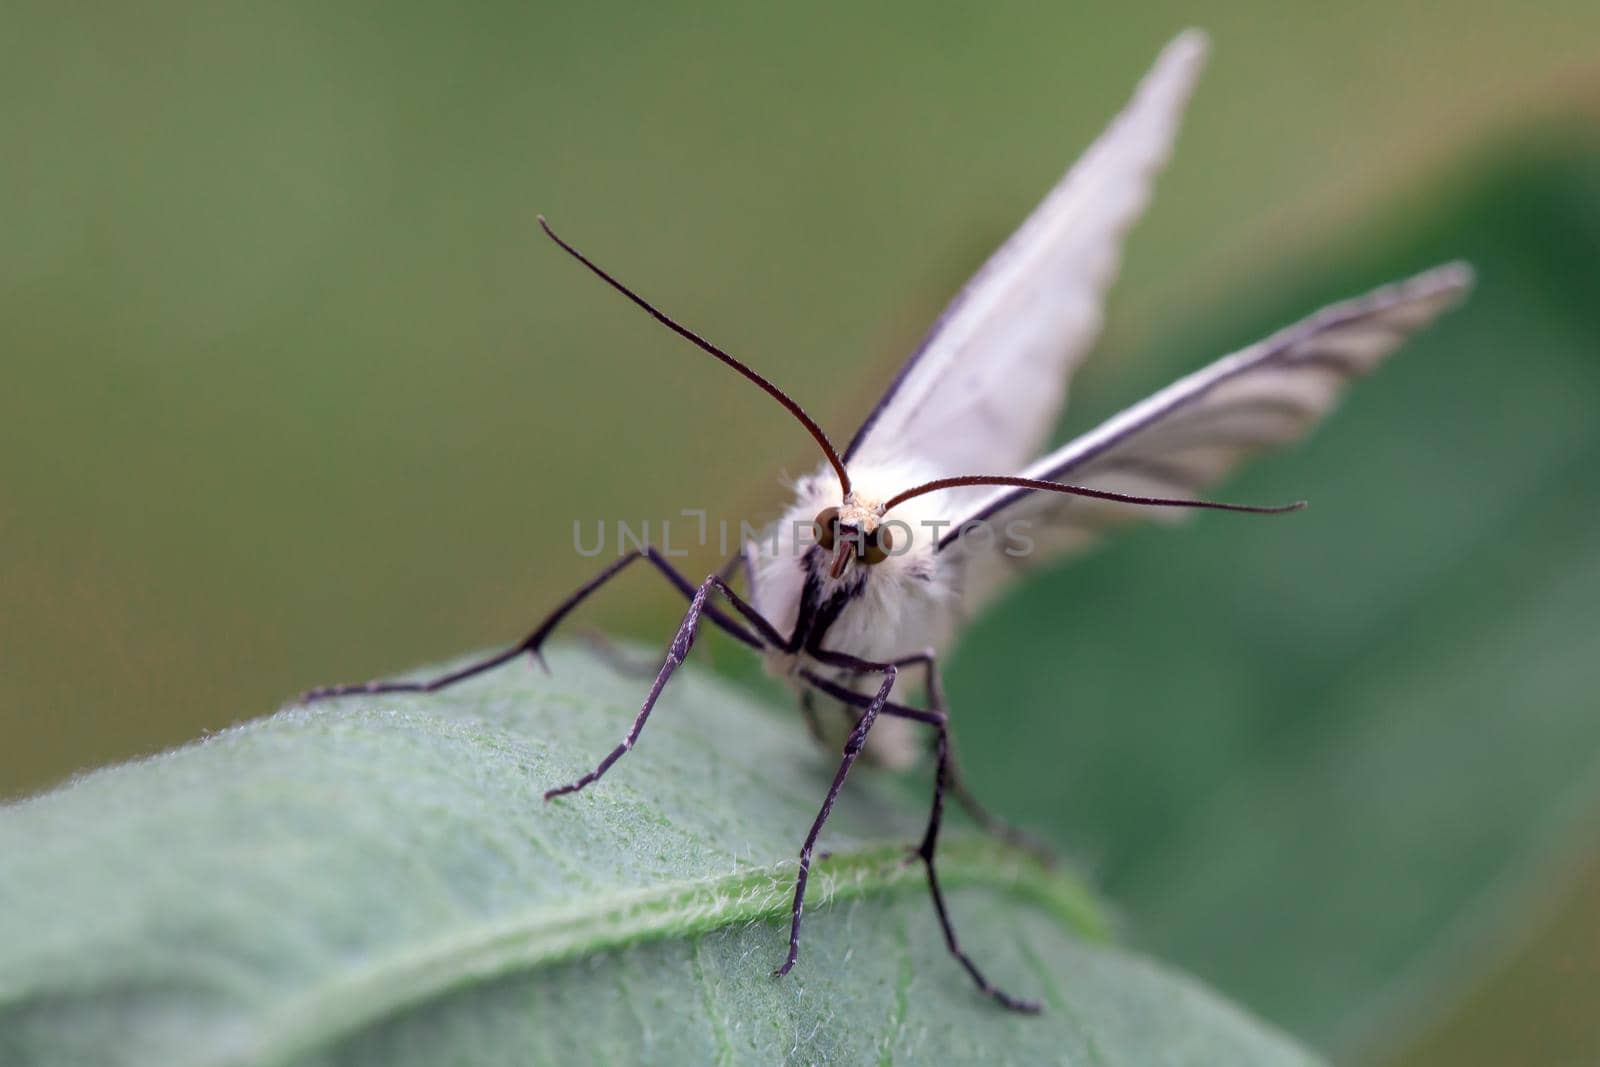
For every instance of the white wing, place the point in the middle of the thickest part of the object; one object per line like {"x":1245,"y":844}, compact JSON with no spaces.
{"x":985,"y":387}
{"x":1189,"y":434}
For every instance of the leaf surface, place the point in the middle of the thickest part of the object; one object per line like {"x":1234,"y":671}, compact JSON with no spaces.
{"x":380,"y":881}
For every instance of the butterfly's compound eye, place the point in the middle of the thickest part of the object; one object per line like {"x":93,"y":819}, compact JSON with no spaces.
{"x":879,"y":545}
{"x":825,"y":528}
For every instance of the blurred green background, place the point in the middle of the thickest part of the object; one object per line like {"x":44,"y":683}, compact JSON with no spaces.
{"x":294,"y":392}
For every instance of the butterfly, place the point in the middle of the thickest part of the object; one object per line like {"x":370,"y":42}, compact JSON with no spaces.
{"x":942,"y":495}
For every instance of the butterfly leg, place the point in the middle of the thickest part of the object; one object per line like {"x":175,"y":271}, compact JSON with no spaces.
{"x":614,"y":656}
{"x":852,"y":748}
{"x":742,"y":562}
{"x":930,"y":839}
{"x":808,"y":708}
{"x":928,"y":846}
{"x":987,"y":821}
{"x":975,"y":809}
{"x":618,"y":659}
{"x":532,"y":643}
{"x":682,"y":641}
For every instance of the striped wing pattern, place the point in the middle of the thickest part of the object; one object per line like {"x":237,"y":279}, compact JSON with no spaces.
{"x":1187,"y":436}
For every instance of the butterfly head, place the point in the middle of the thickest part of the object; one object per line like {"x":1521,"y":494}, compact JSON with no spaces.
{"x":852,"y":532}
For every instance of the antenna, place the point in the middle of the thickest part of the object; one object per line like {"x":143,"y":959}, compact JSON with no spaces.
{"x":1079,"y":490}
{"x":706,"y":346}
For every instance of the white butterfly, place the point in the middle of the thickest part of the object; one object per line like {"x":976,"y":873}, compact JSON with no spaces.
{"x":941,"y":495}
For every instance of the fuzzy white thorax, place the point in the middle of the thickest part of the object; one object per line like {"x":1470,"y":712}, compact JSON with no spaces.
{"x":903,"y":605}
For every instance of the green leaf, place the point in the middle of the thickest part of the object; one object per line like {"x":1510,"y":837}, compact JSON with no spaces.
{"x":380,"y":881}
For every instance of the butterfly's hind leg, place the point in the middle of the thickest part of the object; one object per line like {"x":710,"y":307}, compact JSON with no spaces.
{"x":531,"y":644}
{"x":614,"y":656}
{"x":930,"y":839}
{"x":928,"y":846}
{"x":808,"y":710}
{"x":957,"y":784}
{"x":988,"y":822}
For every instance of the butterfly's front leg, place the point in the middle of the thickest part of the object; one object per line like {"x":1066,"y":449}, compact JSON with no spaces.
{"x":682,"y":641}
{"x":535,"y":640}
{"x":852,"y":749}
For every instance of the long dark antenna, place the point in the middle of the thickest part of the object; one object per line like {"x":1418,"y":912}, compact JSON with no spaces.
{"x":706,"y":346}
{"x":1079,"y":490}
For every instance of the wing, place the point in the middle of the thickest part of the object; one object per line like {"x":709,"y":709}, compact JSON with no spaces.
{"x":1191,"y":433}
{"x":985,"y":387}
